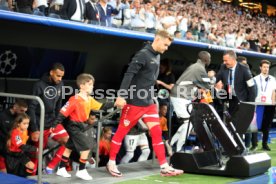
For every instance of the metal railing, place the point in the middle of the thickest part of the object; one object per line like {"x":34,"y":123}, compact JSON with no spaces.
{"x":42,"y":115}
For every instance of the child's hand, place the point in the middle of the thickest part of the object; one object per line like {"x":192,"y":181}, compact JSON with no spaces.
{"x":52,"y":129}
{"x":159,"y":82}
{"x":219,"y":85}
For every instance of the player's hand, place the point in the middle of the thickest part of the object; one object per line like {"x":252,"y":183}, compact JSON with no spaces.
{"x":120,"y":102}
{"x":91,"y":120}
{"x":35,"y":136}
{"x":52,"y":129}
{"x":219,"y":85}
{"x":159,"y":82}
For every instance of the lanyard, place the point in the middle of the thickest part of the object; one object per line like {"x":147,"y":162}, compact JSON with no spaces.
{"x":230,"y":77}
{"x":263,"y":90}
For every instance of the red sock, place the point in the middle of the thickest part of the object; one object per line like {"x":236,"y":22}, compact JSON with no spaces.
{"x":158,"y":144}
{"x":35,"y":161}
{"x":117,"y":141}
{"x":55,"y":161}
{"x":29,"y":171}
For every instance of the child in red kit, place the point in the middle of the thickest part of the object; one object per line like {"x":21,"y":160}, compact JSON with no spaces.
{"x":17,"y":154}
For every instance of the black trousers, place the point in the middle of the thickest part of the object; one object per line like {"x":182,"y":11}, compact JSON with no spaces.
{"x":233,"y":108}
{"x":266,"y":124}
{"x":233,"y":105}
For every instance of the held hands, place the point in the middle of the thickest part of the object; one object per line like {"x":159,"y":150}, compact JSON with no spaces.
{"x":159,"y":82}
{"x":219,"y":85}
{"x":120,"y":102}
{"x":54,"y":124}
{"x":52,"y":129}
{"x":35,"y":136}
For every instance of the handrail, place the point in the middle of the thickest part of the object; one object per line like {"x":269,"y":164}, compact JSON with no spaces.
{"x":42,"y":116}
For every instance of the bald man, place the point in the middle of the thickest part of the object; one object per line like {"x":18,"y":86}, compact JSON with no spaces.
{"x":192,"y":80}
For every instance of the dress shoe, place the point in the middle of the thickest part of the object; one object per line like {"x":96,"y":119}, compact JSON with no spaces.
{"x":266,"y":148}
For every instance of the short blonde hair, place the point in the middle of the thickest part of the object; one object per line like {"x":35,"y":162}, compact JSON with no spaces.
{"x":164,"y":34}
{"x":84,"y":78}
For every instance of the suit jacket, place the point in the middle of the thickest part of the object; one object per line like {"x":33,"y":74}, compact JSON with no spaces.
{"x":69,"y":8}
{"x":244,"y":84}
{"x":105,"y":15}
{"x":91,"y":12}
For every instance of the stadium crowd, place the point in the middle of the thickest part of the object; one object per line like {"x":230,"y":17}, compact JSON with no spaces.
{"x":207,"y":21}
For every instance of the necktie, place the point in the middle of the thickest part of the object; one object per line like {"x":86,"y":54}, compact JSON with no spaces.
{"x":230,"y":76}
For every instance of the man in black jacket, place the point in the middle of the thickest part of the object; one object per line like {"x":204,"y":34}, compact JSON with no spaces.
{"x":49,"y":89}
{"x":73,"y":10}
{"x":237,"y":81}
{"x":91,"y":14}
{"x":139,"y":81}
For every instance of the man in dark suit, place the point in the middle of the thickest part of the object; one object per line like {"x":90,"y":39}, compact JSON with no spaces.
{"x":237,"y":80}
{"x":73,"y":10}
{"x":91,"y":13}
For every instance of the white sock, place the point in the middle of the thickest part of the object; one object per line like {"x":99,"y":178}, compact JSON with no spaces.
{"x":128,"y":156}
{"x":112,"y":162}
{"x":144,"y":155}
{"x":164,"y":165}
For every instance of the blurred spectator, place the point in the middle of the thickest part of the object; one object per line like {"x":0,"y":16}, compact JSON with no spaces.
{"x":183,"y":23}
{"x":73,"y":10}
{"x":240,"y":38}
{"x":42,"y":5}
{"x":244,"y":46}
{"x":189,"y":35}
{"x":209,"y":21}
{"x":104,"y":145}
{"x":230,"y":38}
{"x":221,"y":39}
{"x":212,"y":37}
{"x":273,"y":52}
{"x":150,"y":19}
{"x":106,"y":11}
{"x":169,"y":21}
{"x":264,"y":44}
{"x":202,"y":33}
{"x":166,"y":78}
{"x":177,"y":34}
{"x":91,"y":14}
{"x":242,"y":60}
{"x":4,"y":5}
{"x":212,"y":76}
{"x":159,"y":14}
{"x":163,"y":109}
{"x":54,"y":10}
{"x":23,"y":6}
{"x":194,"y":28}
{"x":127,"y":19}
{"x":117,"y":20}
{"x":251,"y":38}
{"x":137,"y":16}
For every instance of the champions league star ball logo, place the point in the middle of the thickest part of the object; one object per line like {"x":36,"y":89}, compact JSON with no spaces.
{"x":7,"y":62}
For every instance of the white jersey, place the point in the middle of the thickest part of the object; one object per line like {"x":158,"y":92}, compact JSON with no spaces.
{"x":132,"y":141}
{"x":265,"y":88}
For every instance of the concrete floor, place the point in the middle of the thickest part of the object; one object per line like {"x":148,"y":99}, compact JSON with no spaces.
{"x":101,"y":176}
